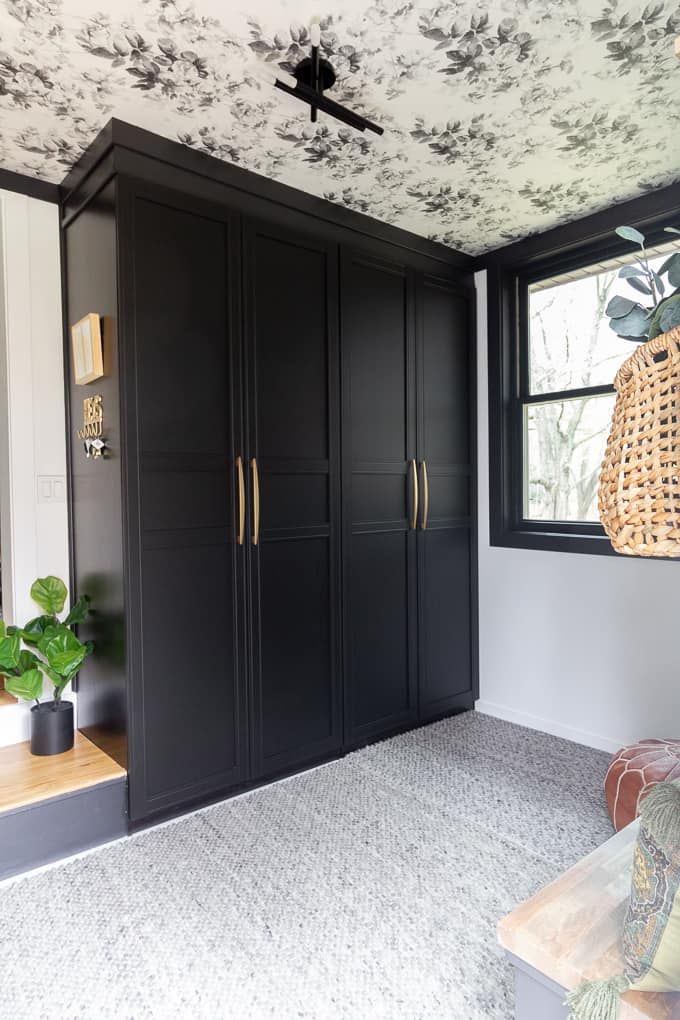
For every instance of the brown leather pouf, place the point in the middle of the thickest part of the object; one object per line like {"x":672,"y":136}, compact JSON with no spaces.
{"x":634,"y":771}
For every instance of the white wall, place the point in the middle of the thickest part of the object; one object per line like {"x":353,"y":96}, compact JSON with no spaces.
{"x":33,"y":514}
{"x":585,"y":647}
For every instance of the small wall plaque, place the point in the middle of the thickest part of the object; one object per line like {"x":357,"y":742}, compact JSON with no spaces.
{"x":86,"y":342}
{"x":92,"y":432}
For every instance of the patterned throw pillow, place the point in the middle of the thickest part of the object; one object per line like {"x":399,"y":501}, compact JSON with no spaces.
{"x":651,"y":935}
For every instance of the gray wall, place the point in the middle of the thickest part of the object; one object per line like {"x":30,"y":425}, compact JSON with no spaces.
{"x":586,"y":647}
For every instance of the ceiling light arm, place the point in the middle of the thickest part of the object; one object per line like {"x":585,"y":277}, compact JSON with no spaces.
{"x":307,"y":95}
{"x":309,"y":81}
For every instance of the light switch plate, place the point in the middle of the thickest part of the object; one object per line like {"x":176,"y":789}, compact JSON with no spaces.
{"x":51,"y":488}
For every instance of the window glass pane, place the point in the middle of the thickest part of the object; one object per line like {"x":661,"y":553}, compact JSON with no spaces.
{"x":570,"y":342}
{"x":564,"y":443}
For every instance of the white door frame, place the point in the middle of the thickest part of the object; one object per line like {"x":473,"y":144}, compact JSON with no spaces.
{"x":33,"y":508}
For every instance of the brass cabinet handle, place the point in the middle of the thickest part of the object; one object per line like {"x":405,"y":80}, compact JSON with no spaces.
{"x":241,"y":501}
{"x":256,"y":502}
{"x":414,"y":481}
{"x":426,"y":497}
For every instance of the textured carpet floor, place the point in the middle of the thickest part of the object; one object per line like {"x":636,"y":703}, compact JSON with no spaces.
{"x":365,"y":890}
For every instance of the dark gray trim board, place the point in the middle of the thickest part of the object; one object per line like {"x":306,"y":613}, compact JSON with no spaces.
{"x":536,"y":996}
{"x":49,"y":830}
{"x":29,"y":186}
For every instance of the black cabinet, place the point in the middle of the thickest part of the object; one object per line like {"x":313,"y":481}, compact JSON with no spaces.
{"x":292,"y":452}
{"x":279,"y":540}
{"x":446,"y":505}
{"x":379,"y":479}
{"x":179,"y":296}
{"x":407,"y":502}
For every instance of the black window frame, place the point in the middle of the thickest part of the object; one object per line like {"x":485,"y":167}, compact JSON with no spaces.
{"x":510,"y":271}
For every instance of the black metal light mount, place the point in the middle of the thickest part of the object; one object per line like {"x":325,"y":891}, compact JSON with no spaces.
{"x":313,"y":76}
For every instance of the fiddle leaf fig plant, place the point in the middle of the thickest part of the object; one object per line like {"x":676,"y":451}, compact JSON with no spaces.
{"x":51,"y":647}
{"x":629,"y":317}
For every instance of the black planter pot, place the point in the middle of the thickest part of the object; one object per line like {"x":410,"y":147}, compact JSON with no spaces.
{"x":51,"y":728}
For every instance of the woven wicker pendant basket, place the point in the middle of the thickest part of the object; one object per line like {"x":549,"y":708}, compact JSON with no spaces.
{"x":639,"y":495}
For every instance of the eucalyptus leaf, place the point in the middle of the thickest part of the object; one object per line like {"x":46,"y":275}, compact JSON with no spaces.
{"x":672,"y":267}
{"x":627,"y":271}
{"x":9,"y":651}
{"x":49,"y":593}
{"x":655,"y":326}
{"x":620,"y":306}
{"x":666,"y":265}
{"x":640,"y":285}
{"x":27,"y":686}
{"x":670,"y":315}
{"x":635,"y":324}
{"x":631,"y":234}
{"x":658,"y":283}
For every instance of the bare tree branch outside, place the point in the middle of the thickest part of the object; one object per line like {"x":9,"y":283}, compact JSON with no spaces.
{"x":571,"y":346}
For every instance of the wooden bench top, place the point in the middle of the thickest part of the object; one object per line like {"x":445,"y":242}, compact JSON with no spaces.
{"x":570,"y":931}
{"x":26,"y":779}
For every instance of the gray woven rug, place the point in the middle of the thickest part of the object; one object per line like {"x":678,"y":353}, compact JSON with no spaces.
{"x":367,"y":889}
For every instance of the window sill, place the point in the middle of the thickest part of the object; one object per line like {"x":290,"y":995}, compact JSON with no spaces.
{"x":554,"y":541}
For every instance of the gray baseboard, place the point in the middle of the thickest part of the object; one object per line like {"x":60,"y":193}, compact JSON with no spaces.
{"x":51,"y":829}
{"x":536,"y":996}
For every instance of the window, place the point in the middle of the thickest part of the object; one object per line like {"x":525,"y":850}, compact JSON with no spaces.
{"x":552,"y":362}
{"x":572,"y":358}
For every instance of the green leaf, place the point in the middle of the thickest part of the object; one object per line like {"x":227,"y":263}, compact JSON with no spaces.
{"x":27,"y":686}
{"x":55,"y":677}
{"x":3,"y":630}
{"x":631,"y":234}
{"x":79,"y":611}
{"x":620,"y":306}
{"x":9,"y":652}
{"x":36,"y":628}
{"x":49,"y":593}
{"x":27,"y":660}
{"x":64,"y":652}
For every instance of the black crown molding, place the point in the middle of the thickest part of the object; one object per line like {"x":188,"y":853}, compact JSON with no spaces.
{"x":117,"y":135}
{"x":32,"y":187}
{"x":650,"y":212}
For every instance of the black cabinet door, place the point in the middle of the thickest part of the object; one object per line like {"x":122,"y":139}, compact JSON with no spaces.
{"x":379,"y":447}
{"x":293,"y":438}
{"x":445,"y":470}
{"x":181,"y":287}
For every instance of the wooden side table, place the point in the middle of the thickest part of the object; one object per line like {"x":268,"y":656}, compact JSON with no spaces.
{"x":570,"y":932}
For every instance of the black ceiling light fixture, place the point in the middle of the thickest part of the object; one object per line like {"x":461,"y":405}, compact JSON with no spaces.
{"x":311,"y":78}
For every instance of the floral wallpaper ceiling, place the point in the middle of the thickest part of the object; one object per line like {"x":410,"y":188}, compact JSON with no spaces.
{"x":501,"y":118}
